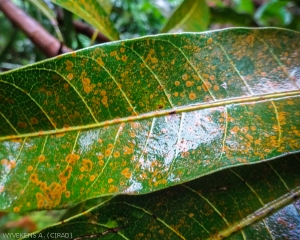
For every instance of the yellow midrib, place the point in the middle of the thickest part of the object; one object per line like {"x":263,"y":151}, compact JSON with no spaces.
{"x":199,"y":106}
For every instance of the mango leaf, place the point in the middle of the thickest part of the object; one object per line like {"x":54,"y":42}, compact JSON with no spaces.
{"x":92,"y":12}
{"x":247,"y":202}
{"x":106,"y":5}
{"x":190,"y":16}
{"x":141,"y":115}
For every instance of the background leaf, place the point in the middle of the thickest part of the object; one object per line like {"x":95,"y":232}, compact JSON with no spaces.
{"x":190,"y":16}
{"x":141,"y":115}
{"x":234,"y":203}
{"x":92,"y":12}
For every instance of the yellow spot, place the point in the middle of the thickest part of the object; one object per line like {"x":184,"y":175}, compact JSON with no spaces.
{"x":116,"y":154}
{"x":290,"y":102}
{"x":87,"y":164}
{"x":177,"y":83}
{"x":101,"y":163}
{"x":100,"y":62}
{"x":175,"y":94}
{"x":126,"y":173}
{"x":212,"y":77}
{"x":69,"y":65}
{"x":244,"y":129}
{"x":114,"y":53}
{"x":110,"y":146}
{"x":33,"y":120}
{"x":16,"y":209}
{"x":189,"y":83}
{"x":67,"y":194}
{"x":161,"y":231}
{"x":41,"y":158}
{"x":234,"y":130}
{"x":110,"y":180}
{"x":34,"y":178}
{"x":132,"y":134}
{"x":86,"y":82}
{"x":185,"y":77}
{"x":30,"y":168}
{"x":73,"y":54}
{"x":124,"y":58}
{"x":191,"y":215}
{"x":192,"y":96}
{"x":72,"y":158}
{"x":122,"y":50}
{"x":209,"y":41}
{"x":22,"y":191}
{"x":70,"y":76}
{"x":28,"y":204}
{"x":100,"y":156}
{"x":107,"y":152}
{"x":216,"y":88}
{"x":92,"y":178}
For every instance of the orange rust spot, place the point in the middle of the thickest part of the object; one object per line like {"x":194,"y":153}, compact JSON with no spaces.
{"x":110,"y":146}
{"x":122,"y":50}
{"x":126,"y":173}
{"x":113,"y":53}
{"x":212,"y":77}
{"x":16,"y":209}
{"x":132,"y":134}
{"x":87,"y":164}
{"x":101,"y":162}
{"x":189,"y":83}
{"x":29,"y":168}
{"x":244,"y":129}
{"x":100,"y":156}
{"x":70,"y":76}
{"x":100,"y":141}
{"x":86,"y":82}
{"x":192,"y":96}
{"x":257,"y":141}
{"x":110,"y":180}
{"x":69,"y":65}
{"x":185,"y":77}
{"x":216,"y":88}
{"x":250,"y":40}
{"x":41,"y":158}
{"x":34,"y":120}
{"x":209,"y":41}
{"x":100,"y":61}
{"x":67,"y":194}
{"x":116,"y":154}
{"x":107,"y":152}
{"x":59,"y":135}
{"x":73,"y":54}
{"x":128,"y":150}
{"x":177,"y":83}
{"x":34,"y":178}
{"x":22,"y":125}
{"x":290,"y":102}
{"x":92,"y":178}
{"x":124,"y":58}
{"x":65,"y":174}
{"x":72,"y":158}
{"x":235,"y":129}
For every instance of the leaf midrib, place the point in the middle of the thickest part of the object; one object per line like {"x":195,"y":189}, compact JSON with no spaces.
{"x":160,"y":113}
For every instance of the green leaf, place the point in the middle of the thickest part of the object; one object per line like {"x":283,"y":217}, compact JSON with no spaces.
{"x":106,"y":5}
{"x":94,"y":13}
{"x":141,"y":115}
{"x":190,"y":16}
{"x":273,"y":13}
{"x":239,"y":203}
{"x":244,"y":6}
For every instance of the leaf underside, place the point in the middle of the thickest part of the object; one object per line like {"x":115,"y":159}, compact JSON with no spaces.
{"x":94,"y":12}
{"x":140,"y":115}
{"x":247,"y":202}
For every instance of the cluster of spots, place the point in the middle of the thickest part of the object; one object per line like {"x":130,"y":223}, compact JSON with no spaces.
{"x":86,"y":83}
{"x":8,"y":164}
{"x":86,"y":165}
{"x":51,"y":195}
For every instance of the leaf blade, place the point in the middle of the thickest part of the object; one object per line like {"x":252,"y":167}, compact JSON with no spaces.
{"x":104,"y":135}
{"x":94,"y":13}
{"x":243,"y":201}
